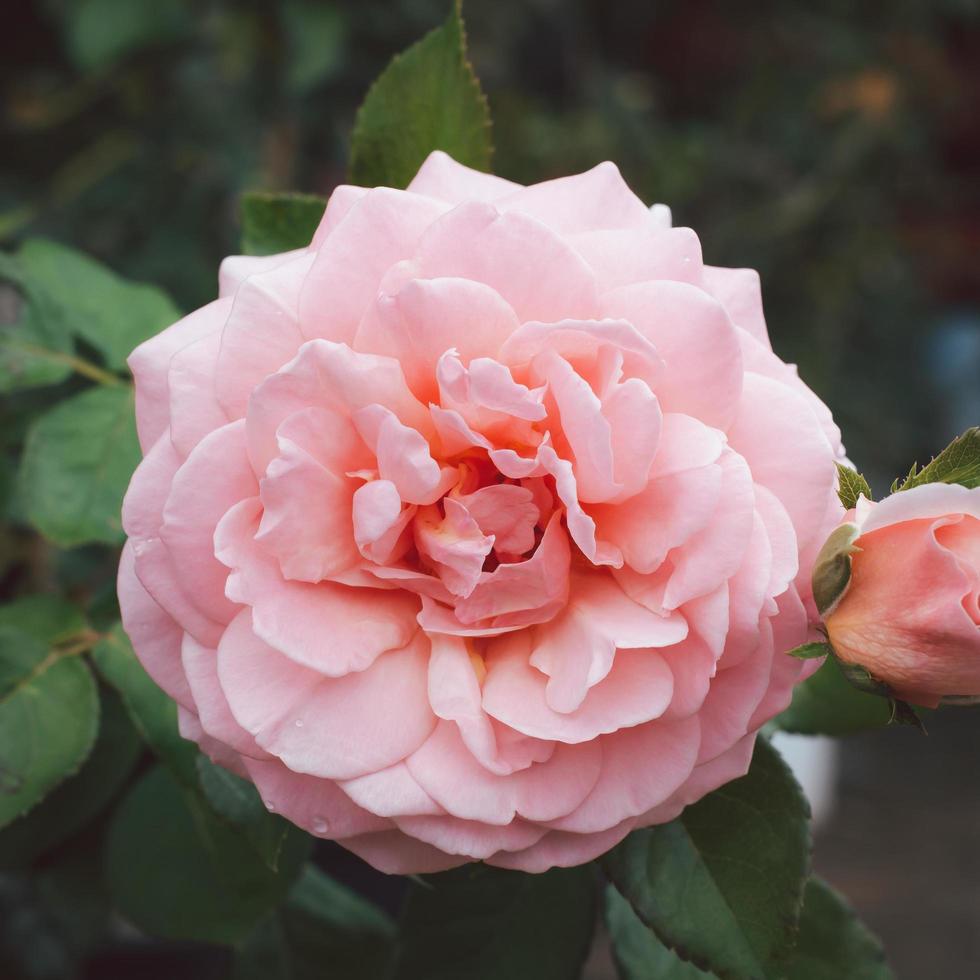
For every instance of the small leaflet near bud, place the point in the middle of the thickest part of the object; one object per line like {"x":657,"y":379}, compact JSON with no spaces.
{"x":861,"y":678}
{"x":850,"y":486}
{"x":810,"y":651}
{"x":832,"y":569}
{"x":904,"y":714}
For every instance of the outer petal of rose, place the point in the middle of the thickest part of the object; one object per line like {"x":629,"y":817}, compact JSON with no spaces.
{"x":695,"y":338}
{"x":319,"y":806}
{"x":447,"y":771}
{"x":220,"y":464}
{"x":637,"y":689}
{"x":620,"y":258}
{"x":391,"y":792}
{"x":380,"y":229}
{"x":150,"y":364}
{"x":506,"y":511}
{"x":790,"y":629}
{"x":332,"y":629}
{"x":930,"y":500}
{"x":142,"y":509}
{"x":427,"y":317}
{"x":342,"y":198}
{"x":714,"y":553}
{"x":194,"y":409}
{"x":598,"y":198}
{"x":237,"y":269}
{"x":735,"y":694}
{"x":558,"y":849}
{"x":668,"y":513}
{"x":748,"y":592}
{"x":189,"y":727}
{"x":706,"y":777}
{"x":333,"y":377}
{"x":262,"y":332}
{"x":395,"y":853}
{"x":641,"y":768}
{"x":201,"y":668}
{"x":307,"y":497}
{"x":759,"y":359}
{"x":692,"y":665}
{"x":785,"y":562}
{"x":540,"y":276}
{"x":403,"y":456}
{"x":537,"y":583}
{"x":740,"y":292}
{"x":471,"y":838}
{"x":441,"y":177}
{"x":348,"y":726}
{"x":782,"y":442}
{"x":576,"y":649}
{"x":155,"y":636}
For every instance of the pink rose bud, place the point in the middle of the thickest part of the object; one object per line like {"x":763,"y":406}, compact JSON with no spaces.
{"x":910,"y":612}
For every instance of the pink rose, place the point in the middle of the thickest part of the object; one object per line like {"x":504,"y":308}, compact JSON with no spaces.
{"x":478,"y":528}
{"x":910,"y":614}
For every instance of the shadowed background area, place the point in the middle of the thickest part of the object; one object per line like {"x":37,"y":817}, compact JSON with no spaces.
{"x":836,"y":150}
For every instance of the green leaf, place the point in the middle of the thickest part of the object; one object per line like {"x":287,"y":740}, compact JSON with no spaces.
{"x":152,"y":712}
{"x":109,"y":312}
{"x":483,"y":923}
{"x":958,"y":463}
{"x":810,"y":651}
{"x":850,"y":486}
{"x":321,"y":922}
{"x":426,"y":99}
{"x":238,"y":802}
{"x":177,"y":871}
{"x":35,"y":345}
{"x":722,"y":885}
{"x":833,"y":943}
{"x":77,"y":462}
{"x":274,"y":223}
{"x":638,"y":953}
{"x":82,"y":796}
{"x":49,"y":717}
{"x":99,"y":33}
{"x":827,"y":704}
{"x":45,"y":617}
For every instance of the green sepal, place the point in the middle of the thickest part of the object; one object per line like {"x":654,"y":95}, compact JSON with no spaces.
{"x":832,"y":569}
{"x":810,"y":651}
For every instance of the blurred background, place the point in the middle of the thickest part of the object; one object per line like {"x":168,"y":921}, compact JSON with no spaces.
{"x":834,"y":147}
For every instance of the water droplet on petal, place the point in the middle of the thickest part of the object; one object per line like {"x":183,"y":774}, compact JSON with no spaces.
{"x":299,"y":722}
{"x":319,"y":825}
{"x":270,"y":806}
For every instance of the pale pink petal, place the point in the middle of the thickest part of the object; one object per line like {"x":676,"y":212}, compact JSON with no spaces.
{"x":262,"y":331}
{"x":332,"y":727}
{"x":637,"y":689}
{"x":558,"y":849}
{"x":441,"y":177}
{"x":395,"y":853}
{"x":448,"y":772}
{"x":235,"y":270}
{"x":391,"y":792}
{"x":470,"y":838}
{"x":695,"y":339}
{"x":929,"y":500}
{"x":507,"y":512}
{"x":685,"y":444}
{"x":150,"y":364}
{"x":403,"y":456}
{"x":427,"y":317}
{"x":318,"y":806}
{"x":331,"y":628}
{"x":454,"y":544}
{"x":641,"y":768}
{"x":620,"y":258}
{"x":380,"y":229}
{"x":540,"y":276}
{"x":333,"y":377}
{"x":635,"y":420}
{"x":740,"y":292}
{"x":142,"y":509}
{"x":342,"y":198}
{"x":781,"y":440}
{"x":598,"y":198}
{"x":219,"y":463}
{"x":194,"y":409}
{"x":156,"y":638}
{"x":782,"y":540}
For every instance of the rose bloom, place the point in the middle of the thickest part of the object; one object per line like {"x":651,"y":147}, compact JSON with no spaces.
{"x":911,"y":612}
{"x":478,"y":528}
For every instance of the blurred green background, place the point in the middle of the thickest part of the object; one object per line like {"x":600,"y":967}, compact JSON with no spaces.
{"x":833,"y":147}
